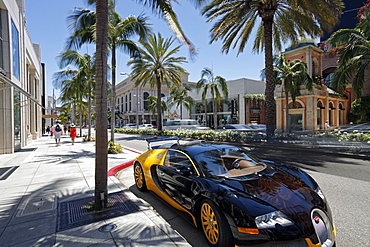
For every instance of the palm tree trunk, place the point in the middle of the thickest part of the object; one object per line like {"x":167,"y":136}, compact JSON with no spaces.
{"x":159,"y":104}
{"x":113,"y":95}
{"x":180,"y":111}
{"x":215,"y":113}
{"x":205,"y":113}
{"x":81,"y":124}
{"x":89,"y":113}
{"x":270,"y":85}
{"x":101,"y":147}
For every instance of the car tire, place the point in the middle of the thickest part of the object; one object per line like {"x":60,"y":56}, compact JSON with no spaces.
{"x":214,"y":225}
{"x":139,"y":177}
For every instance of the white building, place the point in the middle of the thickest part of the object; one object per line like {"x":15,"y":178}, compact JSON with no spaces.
{"x":234,"y":109}
{"x":132,"y":103}
{"x":21,"y":80}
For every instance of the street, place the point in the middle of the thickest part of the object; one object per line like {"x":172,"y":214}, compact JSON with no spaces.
{"x":345,"y":182}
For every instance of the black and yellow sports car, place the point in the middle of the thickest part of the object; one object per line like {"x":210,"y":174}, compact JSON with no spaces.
{"x":234,"y":197}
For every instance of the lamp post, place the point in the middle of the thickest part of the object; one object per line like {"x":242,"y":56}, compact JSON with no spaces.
{"x":137,"y":107}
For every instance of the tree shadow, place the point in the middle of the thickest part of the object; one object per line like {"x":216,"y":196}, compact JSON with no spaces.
{"x":31,"y":219}
{"x":193,"y":235}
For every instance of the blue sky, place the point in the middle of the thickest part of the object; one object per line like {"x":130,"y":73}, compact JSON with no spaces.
{"x":47,"y":26}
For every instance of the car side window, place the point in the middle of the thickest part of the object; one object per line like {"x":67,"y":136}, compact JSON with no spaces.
{"x":176,"y":159}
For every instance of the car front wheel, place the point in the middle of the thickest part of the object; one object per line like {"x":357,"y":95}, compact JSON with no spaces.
{"x":139,"y":177}
{"x":215,"y":226}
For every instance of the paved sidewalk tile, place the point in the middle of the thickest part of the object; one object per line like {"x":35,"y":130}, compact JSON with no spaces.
{"x":46,"y":175}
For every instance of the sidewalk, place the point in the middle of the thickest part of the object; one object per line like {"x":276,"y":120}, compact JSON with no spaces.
{"x":42,"y":187}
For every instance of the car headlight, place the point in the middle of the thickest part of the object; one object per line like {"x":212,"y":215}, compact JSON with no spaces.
{"x":320,"y":193}
{"x":271,"y":219}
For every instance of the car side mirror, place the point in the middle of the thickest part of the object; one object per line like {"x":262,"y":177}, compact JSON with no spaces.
{"x":184,"y":169}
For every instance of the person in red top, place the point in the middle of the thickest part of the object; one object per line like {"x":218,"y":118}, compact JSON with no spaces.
{"x":73,"y":133}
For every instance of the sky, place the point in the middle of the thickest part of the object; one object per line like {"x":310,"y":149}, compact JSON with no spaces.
{"x":47,"y":26}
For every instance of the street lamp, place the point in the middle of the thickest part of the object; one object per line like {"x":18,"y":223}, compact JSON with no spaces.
{"x":137,"y":107}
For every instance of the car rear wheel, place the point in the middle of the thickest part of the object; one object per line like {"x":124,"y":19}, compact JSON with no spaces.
{"x":139,"y":177}
{"x":214,"y":225}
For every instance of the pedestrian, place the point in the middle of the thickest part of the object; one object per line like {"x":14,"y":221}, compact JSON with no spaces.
{"x":73,"y":133}
{"x":57,"y":131}
{"x":48,"y":129}
{"x":327,"y":126}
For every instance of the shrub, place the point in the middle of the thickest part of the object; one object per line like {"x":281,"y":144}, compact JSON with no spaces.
{"x":86,"y":139}
{"x":114,"y":148}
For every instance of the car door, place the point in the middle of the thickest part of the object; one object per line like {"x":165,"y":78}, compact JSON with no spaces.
{"x":177,"y":177}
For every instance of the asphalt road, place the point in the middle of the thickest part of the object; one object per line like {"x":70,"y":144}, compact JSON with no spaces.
{"x":345,"y":182}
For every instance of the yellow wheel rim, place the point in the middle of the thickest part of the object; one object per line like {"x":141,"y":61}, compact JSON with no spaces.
{"x":209,"y":223}
{"x":139,"y":177}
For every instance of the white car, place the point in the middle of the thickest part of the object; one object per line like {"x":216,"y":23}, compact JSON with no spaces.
{"x":184,"y":124}
{"x":146,"y":126}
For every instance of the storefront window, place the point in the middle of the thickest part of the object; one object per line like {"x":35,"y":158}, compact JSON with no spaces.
{"x":17,"y":118}
{"x":331,"y":113}
{"x":146,"y":101}
{"x":1,"y":46}
{"x":319,"y":115}
{"x":15,"y":46}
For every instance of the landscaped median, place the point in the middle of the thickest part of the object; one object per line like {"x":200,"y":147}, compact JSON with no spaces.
{"x":207,"y":135}
{"x":354,"y":142}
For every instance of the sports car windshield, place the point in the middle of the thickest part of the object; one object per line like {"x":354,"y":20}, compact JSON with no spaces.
{"x":229,"y":162}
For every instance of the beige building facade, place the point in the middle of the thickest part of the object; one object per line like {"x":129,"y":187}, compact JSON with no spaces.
{"x":21,"y":80}
{"x":313,"y":108}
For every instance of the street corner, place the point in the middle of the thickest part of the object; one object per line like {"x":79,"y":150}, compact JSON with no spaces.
{"x":113,"y":171}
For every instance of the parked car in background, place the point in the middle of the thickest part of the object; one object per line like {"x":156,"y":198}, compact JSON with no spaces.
{"x":146,"y":126}
{"x":259,"y":127}
{"x":361,"y":128}
{"x":238,"y":128}
{"x":184,"y":124}
{"x":130,"y":126}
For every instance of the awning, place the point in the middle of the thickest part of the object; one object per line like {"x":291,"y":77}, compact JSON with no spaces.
{"x":50,"y":116}
{"x":27,"y":94}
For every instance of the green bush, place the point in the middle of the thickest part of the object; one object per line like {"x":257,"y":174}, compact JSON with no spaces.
{"x":114,"y":148}
{"x":232,"y":136}
{"x":207,"y":135}
{"x":86,"y":139}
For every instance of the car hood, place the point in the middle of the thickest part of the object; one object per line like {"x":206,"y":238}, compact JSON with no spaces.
{"x":283,"y":191}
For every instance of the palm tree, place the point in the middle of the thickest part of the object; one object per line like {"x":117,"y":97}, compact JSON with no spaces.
{"x":292,"y":75}
{"x":161,"y":7}
{"x":85,"y":75}
{"x":152,"y":105}
{"x":101,"y":150}
{"x":179,"y":97}
{"x":120,"y":31}
{"x":73,"y":96}
{"x":156,"y":66}
{"x":281,"y":20}
{"x":211,"y":83}
{"x":354,"y":55}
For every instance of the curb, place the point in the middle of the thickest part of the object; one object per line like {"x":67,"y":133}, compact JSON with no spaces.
{"x":118,"y":168}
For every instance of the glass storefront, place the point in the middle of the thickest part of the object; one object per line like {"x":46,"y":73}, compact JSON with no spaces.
{"x":15,"y":51}
{"x":17,"y":119}
{"x":227,"y":113}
